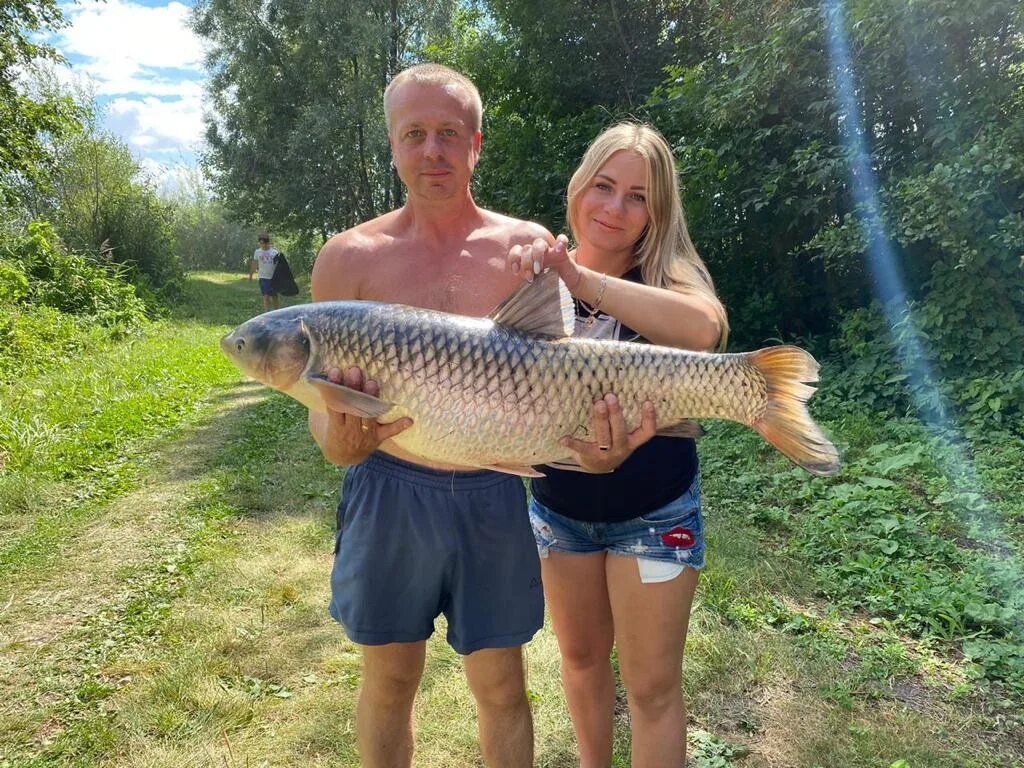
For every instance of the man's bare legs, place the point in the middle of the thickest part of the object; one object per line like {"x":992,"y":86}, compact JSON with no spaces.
{"x":391,"y":675}
{"x":496,"y":678}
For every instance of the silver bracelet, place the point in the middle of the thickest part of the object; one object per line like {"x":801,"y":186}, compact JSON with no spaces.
{"x":600,"y":293}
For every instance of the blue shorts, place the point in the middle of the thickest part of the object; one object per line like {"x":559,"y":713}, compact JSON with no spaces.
{"x":414,"y":543}
{"x":266,"y":287}
{"x":672,"y":534}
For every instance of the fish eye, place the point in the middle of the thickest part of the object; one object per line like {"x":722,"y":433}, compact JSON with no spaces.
{"x":240,"y":345}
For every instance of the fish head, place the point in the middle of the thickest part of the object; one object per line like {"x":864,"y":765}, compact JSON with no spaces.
{"x":273,"y":348}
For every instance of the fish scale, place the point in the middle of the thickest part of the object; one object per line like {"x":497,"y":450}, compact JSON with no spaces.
{"x":460,"y":420}
{"x":485,"y":394}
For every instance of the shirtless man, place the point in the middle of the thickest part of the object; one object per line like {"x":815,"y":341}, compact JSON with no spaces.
{"x":415,"y":538}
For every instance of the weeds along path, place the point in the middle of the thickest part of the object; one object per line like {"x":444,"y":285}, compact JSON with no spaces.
{"x":178,"y":618}
{"x":177,"y":615}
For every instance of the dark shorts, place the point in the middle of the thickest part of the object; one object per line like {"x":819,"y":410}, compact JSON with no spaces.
{"x":672,"y":534}
{"x":266,"y":287}
{"x":414,"y":543}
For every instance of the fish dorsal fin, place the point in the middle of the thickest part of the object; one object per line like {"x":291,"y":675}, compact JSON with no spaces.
{"x":541,"y":308}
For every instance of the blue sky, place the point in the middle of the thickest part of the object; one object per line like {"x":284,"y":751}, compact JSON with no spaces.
{"x":145,"y":66}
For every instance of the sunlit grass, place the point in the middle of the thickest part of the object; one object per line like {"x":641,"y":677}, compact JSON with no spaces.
{"x":174,"y":614}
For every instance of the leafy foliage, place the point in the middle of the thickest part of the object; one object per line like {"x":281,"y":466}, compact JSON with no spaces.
{"x":51,"y":297}
{"x":103,"y":205}
{"x":28,"y":119}
{"x":298,"y":141}
{"x":771,"y":178}
{"x":552,"y":75}
{"x":44,"y":274}
{"x":897,"y":535}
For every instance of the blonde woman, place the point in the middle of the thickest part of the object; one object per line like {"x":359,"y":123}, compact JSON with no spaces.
{"x":621,"y":551}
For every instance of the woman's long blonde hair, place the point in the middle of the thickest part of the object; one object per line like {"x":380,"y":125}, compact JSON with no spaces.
{"x":664,"y":252}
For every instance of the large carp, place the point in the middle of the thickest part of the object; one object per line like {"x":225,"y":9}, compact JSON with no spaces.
{"x":498,"y":392}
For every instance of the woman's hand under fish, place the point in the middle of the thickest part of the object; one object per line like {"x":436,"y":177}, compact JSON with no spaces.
{"x":349,"y":439}
{"x":527,"y":261}
{"x":613,"y":443}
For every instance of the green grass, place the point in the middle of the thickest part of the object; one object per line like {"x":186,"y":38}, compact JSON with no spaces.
{"x":163,"y":588}
{"x":79,"y":430}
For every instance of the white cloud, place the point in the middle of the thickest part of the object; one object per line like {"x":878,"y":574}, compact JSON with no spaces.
{"x":157,"y":124}
{"x":124,"y":44}
{"x":145,"y":66}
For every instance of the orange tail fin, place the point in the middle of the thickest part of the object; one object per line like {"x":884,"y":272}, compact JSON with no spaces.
{"x":786,"y":424}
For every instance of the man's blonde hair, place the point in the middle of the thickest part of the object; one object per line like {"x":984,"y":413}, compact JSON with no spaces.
{"x":665,"y":254}
{"x":439,"y":75}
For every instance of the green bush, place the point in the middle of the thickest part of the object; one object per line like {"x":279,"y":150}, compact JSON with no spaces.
{"x":104,"y":206}
{"x":13,"y":283}
{"x":137,"y":228}
{"x":42,"y":273}
{"x":32,"y":337}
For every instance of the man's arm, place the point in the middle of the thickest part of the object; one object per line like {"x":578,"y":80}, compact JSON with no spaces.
{"x":345,"y":439}
{"x":253,"y":266}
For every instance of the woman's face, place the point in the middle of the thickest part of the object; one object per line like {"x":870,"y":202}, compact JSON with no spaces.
{"x":613,"y":208}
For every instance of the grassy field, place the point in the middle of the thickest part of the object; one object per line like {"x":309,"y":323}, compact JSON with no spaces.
{"x":164,"y":582}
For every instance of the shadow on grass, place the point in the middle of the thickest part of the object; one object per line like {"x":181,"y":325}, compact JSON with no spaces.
{"x":203,"y":447}
{"x":263,"y":455}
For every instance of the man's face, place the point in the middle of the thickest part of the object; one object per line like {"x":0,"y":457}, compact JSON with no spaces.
{"x":264,"y":244}
{"x":433,"y":141}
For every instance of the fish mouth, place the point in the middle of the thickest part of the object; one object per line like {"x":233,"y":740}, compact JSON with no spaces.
{"x":234,"y":345}
{"x":227,"y":346}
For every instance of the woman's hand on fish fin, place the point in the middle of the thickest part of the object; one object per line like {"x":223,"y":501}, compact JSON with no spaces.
{"x":530,"y":260}
{"x":613,"y":442}
{"x":349,"y":439}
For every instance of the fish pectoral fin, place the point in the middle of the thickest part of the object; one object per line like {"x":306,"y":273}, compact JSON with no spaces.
{"x":682,"y":429}
{"x":513,"y":469}
{"x":347,"y":400}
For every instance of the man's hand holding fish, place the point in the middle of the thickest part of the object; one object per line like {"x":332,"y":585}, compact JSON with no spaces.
{"x":346,"y":438}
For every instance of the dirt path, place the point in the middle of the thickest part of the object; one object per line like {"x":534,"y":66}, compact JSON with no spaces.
{"x":60,"y":624}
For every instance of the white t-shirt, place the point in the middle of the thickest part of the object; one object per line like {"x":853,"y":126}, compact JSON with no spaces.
{"x":265,"y":259}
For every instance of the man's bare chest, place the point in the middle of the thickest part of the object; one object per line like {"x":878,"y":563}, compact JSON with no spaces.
{"x":471,"y":286}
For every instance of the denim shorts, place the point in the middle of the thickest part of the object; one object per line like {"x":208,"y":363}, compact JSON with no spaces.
{"x":414,"y":543}
{"x":672,"y":534}
{"x":267,"y":287}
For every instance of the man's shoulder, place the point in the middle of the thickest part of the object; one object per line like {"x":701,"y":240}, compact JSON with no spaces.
{"x":345,"y":257}
{"x":513,"y":229}
{"x":352,"y":243}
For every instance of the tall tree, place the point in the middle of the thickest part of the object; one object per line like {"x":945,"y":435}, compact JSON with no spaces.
{"x":553,"y":74}
{"x":763,"y":129}
{"x":28,"y":116}
{"x":296,"y":137}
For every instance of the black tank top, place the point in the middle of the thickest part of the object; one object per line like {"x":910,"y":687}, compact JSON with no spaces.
{"x":655,"y":473}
